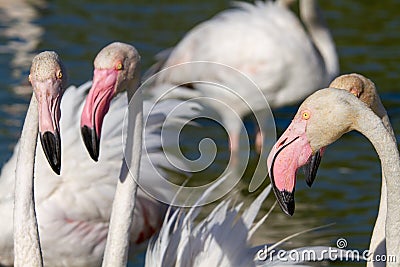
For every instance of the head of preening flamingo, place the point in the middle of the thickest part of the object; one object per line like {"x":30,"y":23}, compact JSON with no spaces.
{"x":48,"y":77}
{"x":363,"y":88}
{"x":116,"y":69}
{"x":321,"y":119}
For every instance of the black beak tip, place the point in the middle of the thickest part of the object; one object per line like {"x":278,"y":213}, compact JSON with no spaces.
{"x":56,"y":169}
{"x":285,"y":200}
{"x":312,"y":168}
{"x":91,"y":141}
{"x":51,"y":144}
{"x":290,"y":207}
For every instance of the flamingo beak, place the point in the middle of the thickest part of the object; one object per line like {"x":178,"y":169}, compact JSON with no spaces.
{"x":49,"y":93}
{"x":290,"y":152}
{"x":312,"y":166}
{"x":96,"y":107}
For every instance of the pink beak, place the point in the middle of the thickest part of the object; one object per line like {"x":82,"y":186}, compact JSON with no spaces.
{"x":96,"y":107}
{"x":290,"y":152}
{"x":49,"y":93}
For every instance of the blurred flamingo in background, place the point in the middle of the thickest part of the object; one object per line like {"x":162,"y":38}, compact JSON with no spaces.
{"x":264,"y":41}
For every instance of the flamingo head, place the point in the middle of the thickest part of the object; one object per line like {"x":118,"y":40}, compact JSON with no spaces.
{"x":48,"y":78}
{"x":363,"y":88}
{"x":115,"y":70}
{"x":321,"y":119}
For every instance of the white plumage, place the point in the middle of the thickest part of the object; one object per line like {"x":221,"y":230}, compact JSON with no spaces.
{"x":73,"y":209}
{"x":221,"y":239}
{"x":268,"y":44}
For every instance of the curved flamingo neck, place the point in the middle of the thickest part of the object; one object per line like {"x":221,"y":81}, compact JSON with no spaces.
{"x":378,"y":238}
{"x":321,"y":36}
{"x":385,"y":144}
{"x":117,"y":246}
{"x":27,"y":251}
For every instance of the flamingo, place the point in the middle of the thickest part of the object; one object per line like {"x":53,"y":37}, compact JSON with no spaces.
{"x":48,"y":80}
{"x":116,"y":69}
{"x":365,"y":90}
{"x":73,"y":208}
{"x":323,"y":118}
{"x":268,"y":44}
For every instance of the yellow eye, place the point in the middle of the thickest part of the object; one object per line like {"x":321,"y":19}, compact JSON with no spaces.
{"x":305,"y":115}
{"x":59,"y":74}
{"x":29,"y":78}
{"x":119,"y":66}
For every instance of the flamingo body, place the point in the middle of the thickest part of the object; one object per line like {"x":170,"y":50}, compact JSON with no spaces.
{"x":266,"y":41}
{"x":250,"y":57}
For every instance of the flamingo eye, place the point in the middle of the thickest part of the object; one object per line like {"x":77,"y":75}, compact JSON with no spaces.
{"x":119,"y":66}
{"x":59,"y":74}
{"x":305,"y":115}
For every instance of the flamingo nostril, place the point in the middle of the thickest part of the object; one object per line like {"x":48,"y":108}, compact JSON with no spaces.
{"x":282,"y":143}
